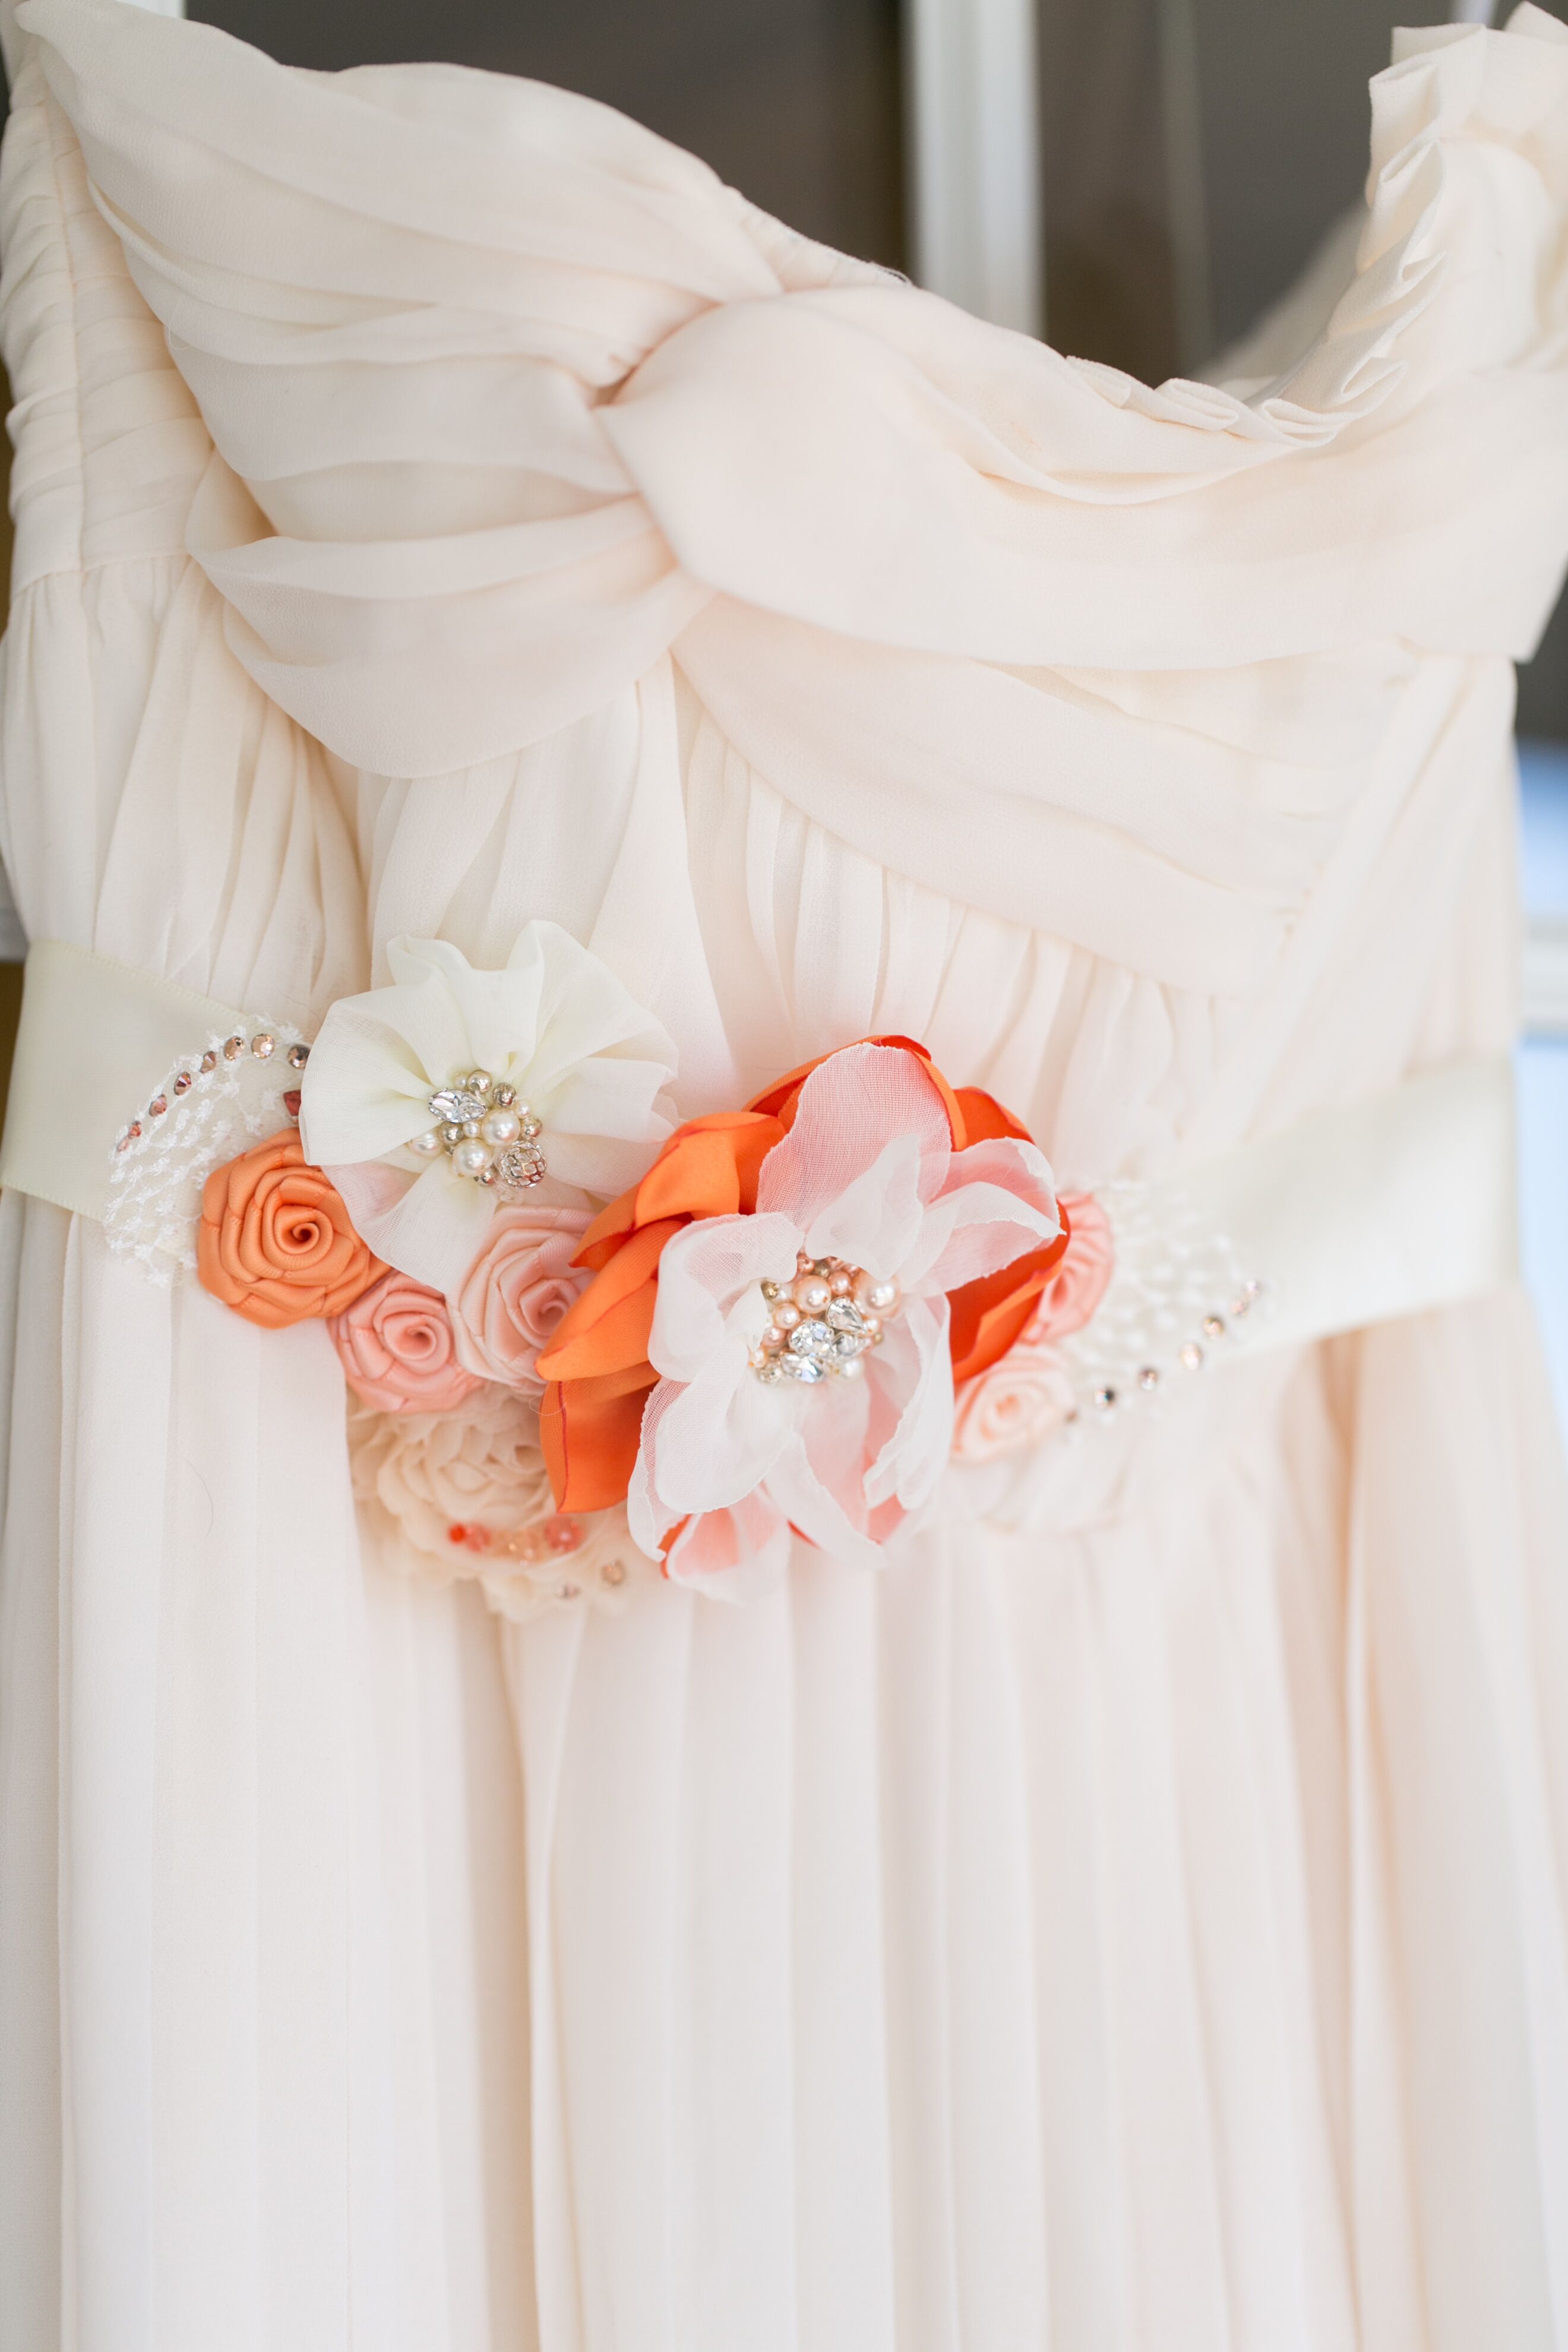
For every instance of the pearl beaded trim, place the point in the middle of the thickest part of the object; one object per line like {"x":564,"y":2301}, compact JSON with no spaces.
{"x":823,"y":1324}
{"x":556,"y":1541}
{"x":210,"y":1107}
{"x":1177,"y":1292}
{"x":1193,"y":1355}
{"x":553,"y":1563}
{"x":262,"y":1043}
{"x":487,"y":1134}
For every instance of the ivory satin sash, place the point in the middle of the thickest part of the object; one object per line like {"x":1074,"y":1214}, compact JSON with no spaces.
{"x":1399,"y":1203}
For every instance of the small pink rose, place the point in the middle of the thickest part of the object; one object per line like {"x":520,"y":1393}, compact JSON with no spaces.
{"x":1080,"y":1283}
{"x":516,"y":1292}
{"x":1027,"y":1395}
{"x":397,"y":1351}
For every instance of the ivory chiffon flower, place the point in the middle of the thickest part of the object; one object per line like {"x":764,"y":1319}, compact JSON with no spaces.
{"x":555,"y":1029}
{"x":432,"y":1472}
{"x":460,"y":1487}
{"x":397,"y":1349}
{"x":275,"y":1242}
{"x":868,"y":1177}
{"x":514,"y":1295}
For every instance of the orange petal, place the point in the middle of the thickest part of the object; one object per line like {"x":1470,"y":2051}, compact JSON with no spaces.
{"x":985,"y":1119}
{"x":589,"y":1431}
{"x":990,"y":1313}
{"x":708,"y":1167}
{"x":630,"y":1266}
{"x":614,"y":1342}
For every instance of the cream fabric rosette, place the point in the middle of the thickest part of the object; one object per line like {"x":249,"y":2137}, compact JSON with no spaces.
{"x":555,"y":1025}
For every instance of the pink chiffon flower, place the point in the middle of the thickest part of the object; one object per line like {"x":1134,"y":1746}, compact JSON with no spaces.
{"x":1025,"y":1396}
{"x":396,"y":1347}
{"x":728,"y":1465}
{"x":516,"y":1292}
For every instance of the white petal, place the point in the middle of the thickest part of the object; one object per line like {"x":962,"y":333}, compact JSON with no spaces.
{"x":818,"y":1513}
{"x":915,"y":1455}
{"x":365,"y":1089}
{"x":732,"y":1552}
{"x":372,"y":1193}
{"x":581,"y":1009}
{"x":740,"y":1555}
{"x":605,"y":1165}
{"x":876,"y":1223}
{"x":645,"y":1520}
{"x":431,"y":1228}
{"x":703,"y":1274}
{"x":975,"y":1231}
{"x":851,"y":1107}
{"x":718,"y":1436}
{"x":556,"y":1024}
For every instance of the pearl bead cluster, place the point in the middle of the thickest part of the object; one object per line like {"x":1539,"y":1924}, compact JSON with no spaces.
{"x":1191,"y":1357}
{"x":823,"y":1324}
{"x":487,"y":1134}
{"x":261,"y":1044}
{"x":537,"y":1544}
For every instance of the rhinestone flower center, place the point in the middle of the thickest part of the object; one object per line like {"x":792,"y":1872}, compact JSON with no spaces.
{"x":824,"y":1323}
{"x":489,"y":1136}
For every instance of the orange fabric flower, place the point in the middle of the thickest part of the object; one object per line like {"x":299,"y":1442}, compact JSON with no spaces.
{"x":596,"y":1365}
{"x":275,"y":1242}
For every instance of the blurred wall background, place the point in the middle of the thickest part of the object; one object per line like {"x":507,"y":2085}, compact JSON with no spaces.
{"x":796,"y":102}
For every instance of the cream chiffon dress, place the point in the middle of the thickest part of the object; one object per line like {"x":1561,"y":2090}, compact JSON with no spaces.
{"x":1132,"y":1921}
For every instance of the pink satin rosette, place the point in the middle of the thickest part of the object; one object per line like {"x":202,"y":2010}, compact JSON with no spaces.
{"x":1027,"y":1395}
{"x":512,"y":1298}
{"x":397,"y":1349}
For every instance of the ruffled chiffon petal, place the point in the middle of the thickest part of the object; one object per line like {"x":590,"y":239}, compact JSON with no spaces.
{"x":849,"y":1109}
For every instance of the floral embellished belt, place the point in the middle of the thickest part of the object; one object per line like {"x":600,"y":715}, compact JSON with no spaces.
{"x":568,"y":1318}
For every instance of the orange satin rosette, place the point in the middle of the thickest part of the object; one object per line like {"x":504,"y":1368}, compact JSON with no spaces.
{"x":596,"y":1366}
{"x":275,"y":1242}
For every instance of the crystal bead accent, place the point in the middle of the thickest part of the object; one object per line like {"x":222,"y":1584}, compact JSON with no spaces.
{"x":460,"y":1110}
{"x":818,"y":1328}
{"x":520,"y":1166}
{"x":453,"y":1104}
{"x":812,"y":1338}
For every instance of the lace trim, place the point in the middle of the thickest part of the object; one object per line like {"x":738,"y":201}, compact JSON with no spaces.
{"x":213,"y":1103}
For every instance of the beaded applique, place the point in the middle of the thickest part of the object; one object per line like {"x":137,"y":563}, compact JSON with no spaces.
{"x":239,"y":1086}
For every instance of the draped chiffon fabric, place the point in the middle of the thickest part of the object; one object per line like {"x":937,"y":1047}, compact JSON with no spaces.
{"x":1133,"y":1920}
